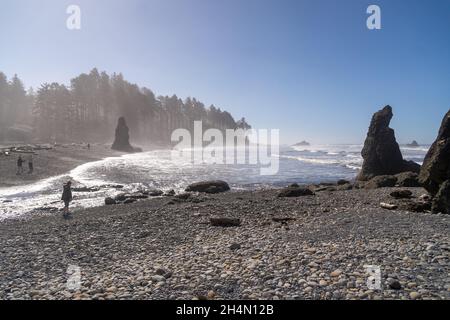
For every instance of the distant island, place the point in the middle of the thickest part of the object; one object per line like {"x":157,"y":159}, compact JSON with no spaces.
{"x":413,"y":144}
{"x":302,"y":144}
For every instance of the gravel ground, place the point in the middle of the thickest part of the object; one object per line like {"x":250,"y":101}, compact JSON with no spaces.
{"x":165,"y":248}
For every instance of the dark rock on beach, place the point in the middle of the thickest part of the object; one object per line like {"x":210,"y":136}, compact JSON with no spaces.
{"x":394,"y":284}
{"x":295,"y":191}
{"x":381,"y":152}
{"x":109,"y":201}
{"x":153,"y":192}
{"x":381,"y":182}
{"x":209,"y":187}
{"x":441,"y":201}
{"x":342,"y":182}
{"x":122,"y":138}
{"x":120,"y":197}
{"x":225,"y":222}
{"x":235,"y":246}
{"x":435,"y":172}
{"x":401,"y":194}
{"x":408,"y":179}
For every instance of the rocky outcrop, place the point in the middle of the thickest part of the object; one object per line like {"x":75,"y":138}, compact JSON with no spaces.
{"x":413,"y":144}
{"x":209,"y":187}
{"x":122,"y":138}
{"x":381,"y":152}
{"x":435,"y":172}
{"x":302,"y":144}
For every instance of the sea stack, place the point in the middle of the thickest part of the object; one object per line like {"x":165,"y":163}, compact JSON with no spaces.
{"x":413,"y":144}
{"x":435,"y":172}
{"x":381,"y":152}
{"x":122,"y":138}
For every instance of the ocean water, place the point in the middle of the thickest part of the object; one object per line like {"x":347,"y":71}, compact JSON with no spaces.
{"x":157,"y":169}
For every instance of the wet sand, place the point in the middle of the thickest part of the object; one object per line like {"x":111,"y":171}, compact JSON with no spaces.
{"x":47,"y":163}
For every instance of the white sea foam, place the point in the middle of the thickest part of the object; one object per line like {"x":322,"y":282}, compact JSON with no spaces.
{"x":157,"y":169}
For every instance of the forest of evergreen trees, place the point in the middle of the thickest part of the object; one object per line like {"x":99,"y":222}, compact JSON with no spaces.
{"x":88,"y":110}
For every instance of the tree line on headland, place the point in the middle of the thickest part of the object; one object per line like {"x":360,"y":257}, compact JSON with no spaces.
{"x":88,"y":109}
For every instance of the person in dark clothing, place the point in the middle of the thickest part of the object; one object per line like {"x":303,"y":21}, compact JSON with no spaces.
{"x":20,"y":162}
{"x":30,"y":165}
{"x":67,"y":196}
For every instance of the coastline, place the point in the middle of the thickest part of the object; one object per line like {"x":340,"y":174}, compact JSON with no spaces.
{"x":49,"y":163}
{"x":312,"y":247}
{"x":59,"y":160}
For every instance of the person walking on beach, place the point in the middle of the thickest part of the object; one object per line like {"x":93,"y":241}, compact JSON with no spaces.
{"x":30,"y":165}
{"x":20,"y":162}
{"x":67,"y":197}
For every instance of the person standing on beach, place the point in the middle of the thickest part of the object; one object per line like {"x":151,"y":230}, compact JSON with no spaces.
{"x":30,"y":165}
{"x":67,"y":197}
{"x":20,"y":162}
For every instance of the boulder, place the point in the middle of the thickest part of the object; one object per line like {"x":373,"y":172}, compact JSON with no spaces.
{"x":381,"y":152}
{"x":235,"y":246}
{"x":109,"y":201}
{"x":401,"y":194}
{"x":209,"y":187}
{"x":153,"y":192}
{"x":169,"y":193}
{"x":436,"y":166}
{"x":381,"y":182}
{"x":120,"y":197}
{"x":342,"y":182}
{"x":291,"y":192}
{"x":408,"y":180}
{"x":441,"y":202}
{"x":225,"y":222}
{"x":122,"y":138}
{"x":394,"y":284}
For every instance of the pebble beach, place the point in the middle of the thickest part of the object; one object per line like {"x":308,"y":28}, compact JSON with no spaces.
{"x":310,"y":247}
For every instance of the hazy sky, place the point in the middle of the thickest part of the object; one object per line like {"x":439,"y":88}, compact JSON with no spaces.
{"x":310,"y":68}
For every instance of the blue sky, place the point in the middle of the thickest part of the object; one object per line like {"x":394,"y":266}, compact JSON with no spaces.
{"x":310,"y":68}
